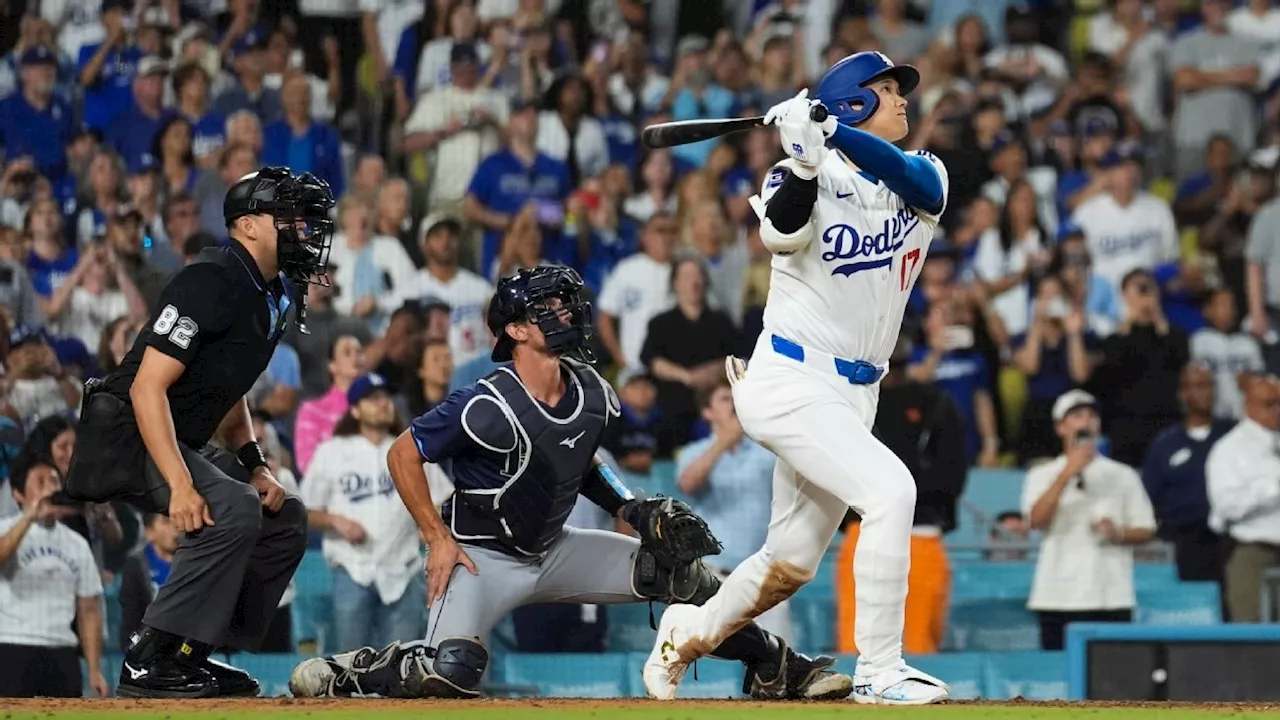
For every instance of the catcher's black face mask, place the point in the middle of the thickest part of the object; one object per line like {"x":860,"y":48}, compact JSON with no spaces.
{"x":549,"y":297}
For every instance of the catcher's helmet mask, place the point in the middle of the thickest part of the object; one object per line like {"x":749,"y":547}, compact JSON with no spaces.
{"x":300,"y":206}
{"x":843,"y":88}
{"x":549,"y":297}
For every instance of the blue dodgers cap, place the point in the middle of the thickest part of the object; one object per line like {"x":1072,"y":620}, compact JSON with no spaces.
{"x":38,"y":55}
{"x":143,"y":163}
{"x":364,"y":386}
{"x":22,"y":334}
{"x":1123,"y":152}
{"x":1002,"y":140}
{"x":1069,"y":228}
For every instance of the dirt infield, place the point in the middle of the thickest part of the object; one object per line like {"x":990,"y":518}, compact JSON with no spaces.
{"x":234,"y":707}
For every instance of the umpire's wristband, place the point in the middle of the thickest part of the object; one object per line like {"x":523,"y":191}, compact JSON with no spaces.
{"x":251,"y":456}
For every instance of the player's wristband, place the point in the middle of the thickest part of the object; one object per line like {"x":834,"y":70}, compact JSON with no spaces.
{"x":251,"y":456}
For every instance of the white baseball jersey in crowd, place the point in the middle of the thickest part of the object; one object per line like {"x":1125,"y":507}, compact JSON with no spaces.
{"x":1120,"y":239}
{"x":836,"y":300}
{"x":468,"y":297}
{"x":348,"y":476}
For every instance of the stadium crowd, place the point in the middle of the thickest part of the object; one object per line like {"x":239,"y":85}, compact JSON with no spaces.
{"x":1111,"y":245}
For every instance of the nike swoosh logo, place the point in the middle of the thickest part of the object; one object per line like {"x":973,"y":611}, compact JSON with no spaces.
{"x":134,"y":673}
{"x":841,"y":196}
{"x":570,"y":442}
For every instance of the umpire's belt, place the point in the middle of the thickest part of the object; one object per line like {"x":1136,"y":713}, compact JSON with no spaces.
{"x":857,"y":372}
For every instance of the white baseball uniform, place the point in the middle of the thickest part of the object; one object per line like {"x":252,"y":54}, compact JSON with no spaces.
{"x":838,"y":299}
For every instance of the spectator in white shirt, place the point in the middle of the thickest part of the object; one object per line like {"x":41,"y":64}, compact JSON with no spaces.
{"x":371,"y":541}
{"x":1226,"y":350}
{"x":568,"y":132}
{"x":657,"y":180}
{"x":466,"y":293}
{"x":460,"y":123}
{"x":1256,"y":19}
{"x":1092,"y":511}
{"x":1008,"y":257}
{"x":434,"y":68}
{"x":365,"y":267}
{"x":47,"y":579}
{"x":638,"y":289}
{"x":1242,"y":476}
{"x":97,"y":292}
{"x":1126,"y":227}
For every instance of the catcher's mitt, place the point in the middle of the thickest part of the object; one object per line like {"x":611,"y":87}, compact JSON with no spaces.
{"x":671,"y":530}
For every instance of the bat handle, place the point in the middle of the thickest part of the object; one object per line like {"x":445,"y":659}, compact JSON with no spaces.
{"x":818,"y":113}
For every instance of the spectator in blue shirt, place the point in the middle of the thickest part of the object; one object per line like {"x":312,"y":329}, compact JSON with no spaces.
{"x":1054,"y":356}
{"x":34,"y":123}
{"x":208,"y":130}
{"x":107,"y":68}
{"x":172,"y":148}
{"x":1200,"y":195}
{"x":512,"y":177}
{"x":729,"y":478}
{"x":51,"y":258}
{"x":133,"y":131}
{"x":693,"y":95}
{"x":1174,"y":476}
{"x":250,"y":93}
{"x":298,"y":141}
{"x":951,"y":360}
{"x":103,"y":192}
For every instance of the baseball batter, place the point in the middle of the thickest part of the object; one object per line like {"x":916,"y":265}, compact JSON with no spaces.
{"x":849,"y":231}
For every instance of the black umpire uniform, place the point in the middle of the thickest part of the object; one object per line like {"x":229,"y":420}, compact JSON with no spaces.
{"x":221,"y":319}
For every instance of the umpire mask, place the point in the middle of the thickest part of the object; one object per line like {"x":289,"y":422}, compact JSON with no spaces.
{"x":549,"y":297}
{"x":300,"y":205}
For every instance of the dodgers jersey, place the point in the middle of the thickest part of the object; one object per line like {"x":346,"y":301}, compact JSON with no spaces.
{"x":846,"y":291}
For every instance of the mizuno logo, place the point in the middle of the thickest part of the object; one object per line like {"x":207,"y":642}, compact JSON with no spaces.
{"x":134,"y":673}
{"x":570,"y":442}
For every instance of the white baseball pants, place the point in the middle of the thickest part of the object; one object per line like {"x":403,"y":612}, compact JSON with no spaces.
{"x":819,"y":426}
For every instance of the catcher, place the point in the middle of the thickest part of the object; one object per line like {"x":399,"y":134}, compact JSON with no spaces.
{"x":522,"y":444}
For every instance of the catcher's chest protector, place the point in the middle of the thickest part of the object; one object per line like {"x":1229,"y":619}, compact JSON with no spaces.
{"x":551,"y":457}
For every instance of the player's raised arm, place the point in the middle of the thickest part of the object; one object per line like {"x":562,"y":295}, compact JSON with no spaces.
{"x":914,"y":176}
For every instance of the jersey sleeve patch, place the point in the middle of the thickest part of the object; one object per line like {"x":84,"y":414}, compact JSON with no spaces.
{"x":177,"y":328}
{"x":775,"y":178}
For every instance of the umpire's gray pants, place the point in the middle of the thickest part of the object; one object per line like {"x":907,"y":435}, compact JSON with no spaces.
{"x":583,"y":566}
{"x":226,"y":580}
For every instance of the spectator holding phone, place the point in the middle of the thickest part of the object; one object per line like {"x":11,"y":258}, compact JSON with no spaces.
{"x":48,"y":579}
{"x":1054,"y":356}
{"x":951,"y":360}
{"x":1092,"y":511}
{"x":1138,"y":377}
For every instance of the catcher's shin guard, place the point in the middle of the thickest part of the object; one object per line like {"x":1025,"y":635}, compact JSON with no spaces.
{"x":793,"y":676}
{"x":451,"y":669}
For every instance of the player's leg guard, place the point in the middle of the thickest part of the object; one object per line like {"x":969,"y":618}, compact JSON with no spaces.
{"x":451,"y":669}
{"x":788,"y":675}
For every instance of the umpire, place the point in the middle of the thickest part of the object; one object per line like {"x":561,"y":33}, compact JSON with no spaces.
{"x":145,"y":431}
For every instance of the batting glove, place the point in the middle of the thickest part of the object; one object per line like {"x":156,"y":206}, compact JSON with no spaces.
{"x":802,"y":139}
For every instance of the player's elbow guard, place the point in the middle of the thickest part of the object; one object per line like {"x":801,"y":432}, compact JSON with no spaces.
{"x":780,"y":243}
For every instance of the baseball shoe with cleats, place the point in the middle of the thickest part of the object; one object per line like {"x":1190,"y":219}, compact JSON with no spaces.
{"x":664,"y":669}
{"x":337,"y":675}
{"x":797,"y":677}
{"x":900,"y":686}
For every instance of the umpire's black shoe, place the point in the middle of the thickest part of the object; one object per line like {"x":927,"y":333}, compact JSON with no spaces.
{"x":151,"y":670}
{"x":232,"y":681}
{"x":165,"y":678}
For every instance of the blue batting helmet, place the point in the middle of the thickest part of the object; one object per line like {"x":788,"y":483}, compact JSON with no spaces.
{"x":549,"y":296}
{"x":843,"y":89}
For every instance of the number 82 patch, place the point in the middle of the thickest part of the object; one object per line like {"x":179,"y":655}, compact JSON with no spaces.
{"x":180,"y":329}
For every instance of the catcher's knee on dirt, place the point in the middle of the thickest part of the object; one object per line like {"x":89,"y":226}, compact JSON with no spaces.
{"x":693,"y":583}
{"x":451,"y":669}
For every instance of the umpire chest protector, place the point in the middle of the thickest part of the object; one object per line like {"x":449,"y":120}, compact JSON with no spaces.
{"x":544,"y":459}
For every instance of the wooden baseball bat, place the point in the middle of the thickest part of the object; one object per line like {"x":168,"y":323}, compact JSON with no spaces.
{"x":683,"y":132}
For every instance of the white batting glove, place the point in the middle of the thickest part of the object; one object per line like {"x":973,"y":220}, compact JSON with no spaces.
{"x":802,"y":139}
